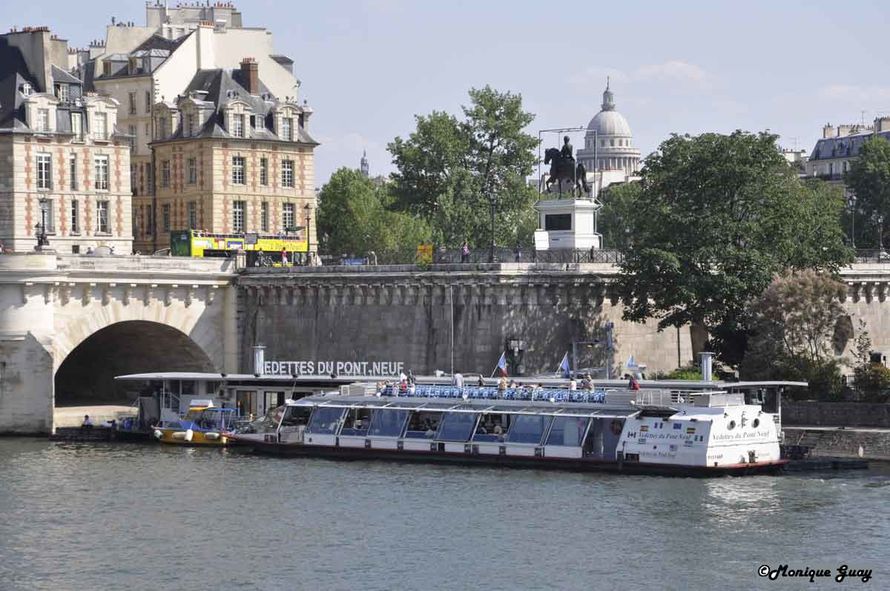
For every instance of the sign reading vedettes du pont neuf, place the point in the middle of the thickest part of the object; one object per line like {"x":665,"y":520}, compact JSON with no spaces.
{"x":340,"y":368}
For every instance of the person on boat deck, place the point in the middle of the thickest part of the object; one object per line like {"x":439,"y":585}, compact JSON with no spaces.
{"x":481,"y":381}
{"x":633,"y":384}
{"x":87,"y":422}
{"x":573,"y":385}
{"x":502,"y":383}
{"x":498,"y":430}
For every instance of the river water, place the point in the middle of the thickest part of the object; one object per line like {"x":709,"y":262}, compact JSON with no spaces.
{"x":103,"y":516}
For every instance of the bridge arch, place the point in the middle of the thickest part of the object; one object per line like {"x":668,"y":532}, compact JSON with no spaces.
{"x":85,"y":375}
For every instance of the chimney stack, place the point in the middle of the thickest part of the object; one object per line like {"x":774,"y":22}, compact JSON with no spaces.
{"x":250,"y":72}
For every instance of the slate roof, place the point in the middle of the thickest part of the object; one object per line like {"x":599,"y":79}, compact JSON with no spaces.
{"x":843,"y":147}
{"x":222,"y":87}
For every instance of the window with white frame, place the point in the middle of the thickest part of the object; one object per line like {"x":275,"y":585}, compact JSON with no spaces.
{"x":264,"y":171}
{"x":131,"y":130}
{"x":190,"y":124}
{"x":102,"y":217}
{"x":77,"y":126}
{"x":238,"y":125}
{"x":148,"y":101}
{"x":101,"y":172}
{"x":72,"y":171}
{"x":237,"y":170}
{"x":42,"y":119}
{"x":287,"y":217}
{"x":264,"y":216}
{"x":100,"y":126}
{"x":287,"y":173}
{"x":165,"y":173}
{"x":132,"y":103}
{"x":238,"y":208}
{"x":62,"y":92}
{"x":192,"y":171}
{"x":44,"y":171}
{"x":74,"y":216}
{"x":193,"y":214}
{"x":50,"y":209}
{"x":287,"y":129}
{"x":26,"y":89}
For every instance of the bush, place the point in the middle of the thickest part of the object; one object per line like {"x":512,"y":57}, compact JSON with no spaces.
{"x":872,"y":380}
{"x":684,"y":373}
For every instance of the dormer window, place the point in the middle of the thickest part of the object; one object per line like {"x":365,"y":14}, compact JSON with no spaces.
{"x":62,"y":92}
{"x":43,"y":120}
{"x":189,"y":124}
{"x":100,"y":126}
{"x":26,"y":89}
{"x":287,"y":129}
{"x":238,"y":125}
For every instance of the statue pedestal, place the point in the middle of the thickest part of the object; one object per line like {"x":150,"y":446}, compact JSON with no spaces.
{"x":567,"y":224}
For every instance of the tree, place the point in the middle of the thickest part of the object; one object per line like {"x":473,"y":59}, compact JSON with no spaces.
{"x":792,"y":331}
{"x":354,"y":218}
{"x":714,"y":219}
{"x":618,"y":199}
{"x":449,"y":171}
{"x":871,"y":378}
{"x":869,"y":180}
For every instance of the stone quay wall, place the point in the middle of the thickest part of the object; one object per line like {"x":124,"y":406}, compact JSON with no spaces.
{"x":843,"y":443}
{"x":405,"y":314}
{"x":835,"y":414}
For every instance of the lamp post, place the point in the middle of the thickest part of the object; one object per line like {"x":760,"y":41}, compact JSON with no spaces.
{"x":308,"y":210}
{"x":851,"y":201}
{"x":41,"y":227}
{"x":493,"y":201}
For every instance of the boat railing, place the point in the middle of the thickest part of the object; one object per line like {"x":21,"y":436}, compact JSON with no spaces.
{"x":493,"y":393}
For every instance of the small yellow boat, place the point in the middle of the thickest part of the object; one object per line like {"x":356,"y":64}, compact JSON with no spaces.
{"x":205,"y":424}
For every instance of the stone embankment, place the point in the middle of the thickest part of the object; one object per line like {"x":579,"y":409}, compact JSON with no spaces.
{"x":839,"y":429}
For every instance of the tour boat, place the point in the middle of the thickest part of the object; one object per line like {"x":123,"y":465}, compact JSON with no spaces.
{"x":205,"y":424}
{"x":711,"y":430}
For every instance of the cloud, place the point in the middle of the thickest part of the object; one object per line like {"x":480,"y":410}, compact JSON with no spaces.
{"x":673,"y":71}
{"x":851,"y":93}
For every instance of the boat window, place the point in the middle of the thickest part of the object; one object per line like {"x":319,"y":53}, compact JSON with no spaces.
{"x":356,"y":422}
{"x":325,"y":421}
{"x":567,"y":431}
{"x":388,"y":423}
{"x":491,"y":427}
{"x":268,"y":423}
{"x":295,"y":416}
{"x":527,"y":429}
{"x":457,"y":426}
{"x":423,"y":424}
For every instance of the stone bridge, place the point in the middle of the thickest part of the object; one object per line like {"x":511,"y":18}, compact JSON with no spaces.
{"x":69,"y":323}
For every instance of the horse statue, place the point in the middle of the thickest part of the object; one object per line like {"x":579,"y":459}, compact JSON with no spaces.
{"x":561,"y":168}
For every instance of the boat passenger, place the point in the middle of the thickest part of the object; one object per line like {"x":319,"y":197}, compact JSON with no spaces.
{"x":87,"y":422}
{"x":573,"y":385}
{"x":481,"y":381}
{"x":502,"y":384}
{"x":498,"y":430}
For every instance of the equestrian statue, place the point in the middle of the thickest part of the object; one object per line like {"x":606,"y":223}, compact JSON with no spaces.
{"x":563,"y":168}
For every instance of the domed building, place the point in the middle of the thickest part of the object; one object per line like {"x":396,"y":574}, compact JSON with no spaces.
{"x":608,"y":143}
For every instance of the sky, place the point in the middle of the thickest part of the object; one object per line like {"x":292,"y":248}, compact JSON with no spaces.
{"x":369,"y":66}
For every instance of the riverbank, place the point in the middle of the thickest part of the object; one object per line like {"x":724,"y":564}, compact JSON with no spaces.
{"x":841,"y":442}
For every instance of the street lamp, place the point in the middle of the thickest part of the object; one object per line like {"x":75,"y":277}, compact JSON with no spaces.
{"x":308,"y":209}
{"x":493,"y":201}
{"x":41,"y":227}
{"x":851,"y":201}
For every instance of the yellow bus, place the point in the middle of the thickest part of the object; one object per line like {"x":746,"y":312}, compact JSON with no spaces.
{"x":195,"y":243}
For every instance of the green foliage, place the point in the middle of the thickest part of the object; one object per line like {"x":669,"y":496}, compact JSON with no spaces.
{"x":618,"y":202}
{"x":713,"y":220}
{"x":792,"y":332}
{"x":684,"y":373}
{"x":871,"y":380}
{"x":869,"y":179}
{"x":353,"y":219}
{"x":449,"y":170}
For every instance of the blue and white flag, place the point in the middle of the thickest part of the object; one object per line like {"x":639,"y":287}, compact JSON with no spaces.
{"x":501,"y":367}
{"x":564,"y":370}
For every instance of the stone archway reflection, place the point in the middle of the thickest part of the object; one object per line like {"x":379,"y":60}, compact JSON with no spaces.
{"x":86,"y":376}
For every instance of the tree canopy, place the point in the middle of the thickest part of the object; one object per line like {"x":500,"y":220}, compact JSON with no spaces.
{"x":354,"y":217}
{"x":713,"y":220}
{"x":448,"y":170}
{"x":869,"y":180}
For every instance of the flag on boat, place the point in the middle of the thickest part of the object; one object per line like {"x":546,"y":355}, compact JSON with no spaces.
{"x":631,"y":363}
{"x":564,"y":370}
{"x":501,"y":368}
